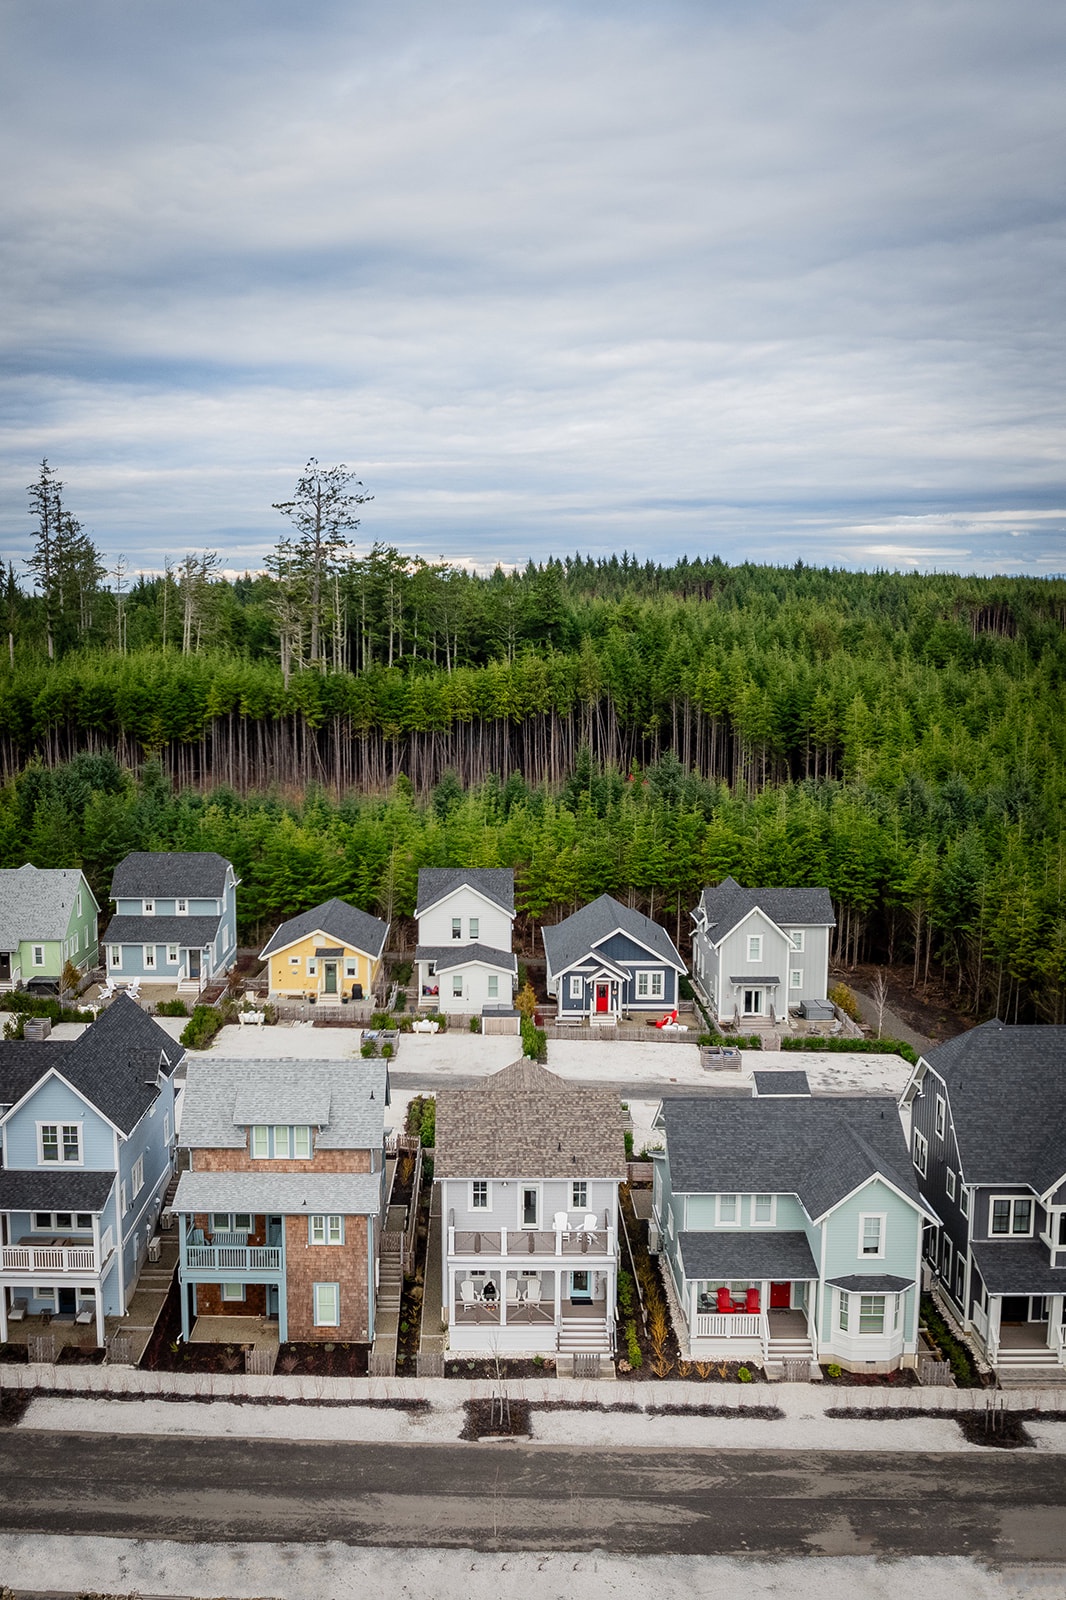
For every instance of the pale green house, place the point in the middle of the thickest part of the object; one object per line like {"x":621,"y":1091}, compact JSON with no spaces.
{"x":48,"y":916}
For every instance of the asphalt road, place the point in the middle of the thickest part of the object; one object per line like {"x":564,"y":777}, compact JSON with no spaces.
{"x":994,"y":1506}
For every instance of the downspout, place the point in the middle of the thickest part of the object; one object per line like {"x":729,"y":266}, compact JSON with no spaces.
{"x":120,"y":1239}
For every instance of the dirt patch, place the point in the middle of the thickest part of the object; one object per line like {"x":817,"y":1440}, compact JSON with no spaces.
{"x":493,"y":1419}
{"x":999,"y":1430}
{"x":930,"y":1010}
{"x":14,"y":1353}
{"x":13,"y":1404}
{"x":324,"y":1360}
{"x":76,"y":1355}
{"x":901,"y":1378}
{"x":486,"y":1367}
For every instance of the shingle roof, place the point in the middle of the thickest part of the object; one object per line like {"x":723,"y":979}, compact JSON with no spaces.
{"x":448,"y":956}
{"x":345,"y":1193}
{"x":1017,"y":1266}
{"x":747,"y":1255}
{"x":170,"y":872}
{"x":820,"y":1149}
{"x":23,"y":1062}
{"x":36,"y":902}
{"x":217,"y":1091}
{"x":727,"y":904}
{"x":495,"y":883}
{"x":527,"y":1123}
{"x":54,"y":1190}
{"x":568,"y":941}
{"x":781,"y":1083}
{"x":337,"y":919}
{"x":116,"y":1062}
{"x":871,"y":1283}
{"x":1007,"y":1091}
{"x":184,"y":931}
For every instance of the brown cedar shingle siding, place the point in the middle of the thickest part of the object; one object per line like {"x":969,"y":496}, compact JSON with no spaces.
{"x":528,"y":1123}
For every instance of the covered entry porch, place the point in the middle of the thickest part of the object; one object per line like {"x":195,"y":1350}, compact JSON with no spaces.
{"x":1019,"y":1300}
{"x":749,"y":1297}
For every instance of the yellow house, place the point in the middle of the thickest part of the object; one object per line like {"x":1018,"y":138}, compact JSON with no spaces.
{"x":331,"y":951}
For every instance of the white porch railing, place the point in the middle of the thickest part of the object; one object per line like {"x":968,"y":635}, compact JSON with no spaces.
{"x":233,"y":1257}
{"x":530,"y":1242}
{"x":982,"y":1322}
{"x":48,"y":1258}
{"x":729,"y":1325}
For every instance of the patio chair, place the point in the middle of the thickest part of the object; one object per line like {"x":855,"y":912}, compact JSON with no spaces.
{"x":752,"y":1302}
{"x":725,"y":1299}
{"x":18,"y":1310}
{"x":561,"y":1224}
{"x":469,"y":1296}
{"x":513,"y":1296}
{"x":533,"y":1293}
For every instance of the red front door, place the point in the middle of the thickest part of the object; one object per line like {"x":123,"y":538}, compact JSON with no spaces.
{"x":602,"y":996}
{"x":780,"y":1296}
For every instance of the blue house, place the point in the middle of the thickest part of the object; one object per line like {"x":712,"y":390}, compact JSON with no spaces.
{"x":175,"y":918}
{"x":87,"y":1134}
{"x":607,"y":959}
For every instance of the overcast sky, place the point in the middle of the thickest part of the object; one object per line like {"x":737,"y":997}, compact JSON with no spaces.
{"x":771,"y":280}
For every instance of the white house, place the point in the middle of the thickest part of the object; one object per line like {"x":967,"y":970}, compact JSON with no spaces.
{"x":758,"y":954}
{"x":464,"y":959}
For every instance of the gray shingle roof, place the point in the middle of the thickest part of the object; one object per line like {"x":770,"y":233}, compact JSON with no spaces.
{"x":1007,"y":1093}
{"x":53,"y":1190}
{"x":217,"y":1091}
{"x":116,"y":1061}
{"x":528,"y":1123}
{"x":781,"y":1083}
{"x":819,"y":1149}
{"x":747,"y":1255}
{"x":170,"y":872}
{"x":344,"y":1193}
{"x":727,"y":904}
{"x":871,"y":1283}
{"x":448,"y":956}
{"x":185,"y":931}
{"x":23,"y":1062}
{"x":1017,"y":1267}
{"x":338,"y":920}
{"x":36,"y":902}
{"x":495,"y":883}
{"x":568,"y":941}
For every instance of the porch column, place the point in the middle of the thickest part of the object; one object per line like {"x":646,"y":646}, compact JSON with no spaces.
{"x":283,"y":1311}
{"x":558,"y":1288}
{"x":184,"y":1293}
{"x":3,"y":1316}
{"x":100,"y":1312}
{"x":503,"y":1293}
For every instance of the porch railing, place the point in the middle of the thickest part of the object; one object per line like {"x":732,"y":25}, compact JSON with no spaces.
{"x":233,"y":1257}
{"x":530,"y":1242}
{"x":730,"y":1325}
{"x":48,"y":1258}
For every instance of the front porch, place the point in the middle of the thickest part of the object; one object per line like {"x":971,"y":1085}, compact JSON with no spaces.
{"x":530,"y":1311}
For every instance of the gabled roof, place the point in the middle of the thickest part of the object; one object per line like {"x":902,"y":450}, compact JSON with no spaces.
{"x":22,"y":1063}
{"x":36,"y":902}
{"x":528,"y":1123}
{"x":164,"y":873}
{"x":449,"y":956}
{"x":54,"y":1189}
{"x":495,"y":883}
{"x":772,"y":1254}
{"x":1007,"y":1092}
{"x":356,"y":929}
{"x":184,"y":931}
{"x":289,"y":1193}
{"x":729,"y":904}
{"x":224,"y":1098}
{"x":569,"y":941}
{"x":820,"y":1149}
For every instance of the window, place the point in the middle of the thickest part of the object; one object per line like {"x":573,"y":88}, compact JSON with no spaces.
{"x":945,"y":1258}
{"x":173,"y":955}
{"x":457,"y":927}
{"x":327,"y":1299}
{"x":312,"y":967}
{"x":475,"y":927}
{"x":579,"y":1195}
{"x":149,"y":957}
{"x":577,"y":988}
{"x":642,"y":985}
{"x":921,"y":1152}
{"x":114,"y":954}
{"x":457,"y":986}
{"x":872,"y":1234}
{"x":727,"y":1208}
{"x":294,"y":961}
{"x":233,"y":1291}
{"x":795,"y":978}
{"x":494,"y":987}
{"x":949,"y":1183}
{"x":656,"y":985}
{"x":301,"y":1143}
{"x":182,"y":908}
{"x":960,"y":1278}
{"x":431,"y":969}
{"x":1012,"y":1216}
{"x":530,"y":1207}
{"x":871,"y":1313}
{"x":842,"y":1311}
{"x":62,"y":1222}
{"x":796,"y":935}
{"x":79,"y":902}
{"x":326,"y":1230}
{"x":38,"y":955}
{"x":941,"y":1116}
{"x":351,"y":967}
{"x":59,"y":1142}
{"x":754,"y":946}
{"x":148,"y":907}
{"x":123,"y":1202}
{"x":479,"y":1195}
{"x":260,"y":1142}
{"x":762,"y":1210}
{"x":964,"y":1199}
{"x":231,"y":1222}
{"x":137,"y":1176}
{"x":281,"y":1142}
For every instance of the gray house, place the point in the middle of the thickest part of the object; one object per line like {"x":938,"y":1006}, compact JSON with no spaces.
{"x":791,"y":1227}
{"x":175,"y":918}
{"x":47,"y":918}
{"x":988,"y":1114}
{"x":607,"y":959}
{"x":463,"y":958}
{"x":758,"y":954}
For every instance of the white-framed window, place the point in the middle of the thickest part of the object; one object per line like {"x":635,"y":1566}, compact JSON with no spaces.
{"x":796,"y":935}
{"x":312,"y":967}
{"x":577,"y":987}
{"x":871,"y":1313}
{"x":114,"y":955}
{"x":1010,"y":1215}
{"x":232,"y":1222}
{"x":795,"y":978}
{"x":656,"y":985}
{"x":457,"y":927}
{"x":233,"y":1291}
{"x":494,"y":987}
{"x":326,"y":1230}
{"x":872,"y":1233}
{"x":281,"y":1143}
{"x":148,"y":907}
{"x":431,"y":969}
{"x":62,"y":1222}
{"x":173,"y":955}
{"x":530,"y":1206}
{"x":579,"y":1194}
{"x":960,"y":1277}
{"x":475,"y":929}
{"x":479,"y":1195}
{"x":945,"y":1258}
{"x":754,"y":946}
{"x":763,"y":1209}
{"x":260,"y":1143}
{"x":728,"y":1210}
{"x":949,"y":1183}
{"x":123,"y":1200}
{"x":282,"y":1140}
{"x":294,"y":961}
{"x":351,"y":967}
{"x":921,"y":1152}
{"x":941,"y":1120}
{"x":59,"y":1143}
{"x":843,"y":1310}
{"x":137,"y":1176}
{"x":181,"y":908}
{"x":149,"y":957}
{"x":642,"y":985}
{"x":964,"y":1199}
{"x":38,"y":955}
{"x":457,"y":986}
{"x":327,"y":1303}
{"x":301,"y":1142}
{"x":79,"y":902}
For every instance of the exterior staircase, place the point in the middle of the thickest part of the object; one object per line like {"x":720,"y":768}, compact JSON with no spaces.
{"x":1025,"y":1367}
{"x":794,"y":1347}
{"x":583,"y":1336}
{"x":390,"y":1284}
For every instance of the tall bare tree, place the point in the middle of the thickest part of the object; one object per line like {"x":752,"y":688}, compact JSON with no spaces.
{"x":323,"y":512}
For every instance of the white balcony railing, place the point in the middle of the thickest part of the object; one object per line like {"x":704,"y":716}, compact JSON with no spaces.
{"x":48,"y":1258}
{"x":728,"y":1325}
{"x":530,"y":1242}
{"x":233,"y":1257}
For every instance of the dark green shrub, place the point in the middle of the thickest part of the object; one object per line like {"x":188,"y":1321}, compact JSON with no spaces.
{"x":172,"y":1008}
{"x":428,"y":1126}
{"x":368,"y":1049}
{"x":534,"y":1041}
{"x":201,"y":1027}
{"x":963,"y":1369}
{"x":475,"y":1025}
{"x":893,"y":1047}
{"x":633,"y":1351}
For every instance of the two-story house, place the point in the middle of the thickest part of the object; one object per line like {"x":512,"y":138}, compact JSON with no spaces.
{"x":791,"y":1227}
{"x":280,"y":1210}
{"x":988,"y":1119}
{"x":47,"y":918}
{"x":175,"y":918}
{"x":88,"y":1151}
{"x":464,"y":959}
{"x":758,"y":954}
{"x":529,"y":1168}
{"x":331,"y":951}
{"x":607,"y":959}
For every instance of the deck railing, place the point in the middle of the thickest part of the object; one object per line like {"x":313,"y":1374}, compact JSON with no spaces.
{"x":526,"y":1242}
{"x":48,"y":1258}
{"x":729,"y":1325}
{"x":233,"y":1257}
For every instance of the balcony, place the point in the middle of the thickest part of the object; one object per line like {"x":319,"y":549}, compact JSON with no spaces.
{"x":48,"y":1258}
{"x":525,"y":1242}
{"x":228,"y":1258}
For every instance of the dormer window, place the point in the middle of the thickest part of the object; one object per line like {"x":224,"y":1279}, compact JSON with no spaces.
{"x":148,"y":907}
{"x":280,"y":1143}
{"x":181,"y":908}
{"x":1011,"y":1216}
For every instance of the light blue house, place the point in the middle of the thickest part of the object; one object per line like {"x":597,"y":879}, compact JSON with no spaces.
{"x":88,"y":1150}
{"x":175,"y":918}
{"x":791,"y":1227}
{"x":608,"y":959}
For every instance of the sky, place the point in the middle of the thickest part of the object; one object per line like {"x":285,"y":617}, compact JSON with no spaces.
{"x":767,"y":279}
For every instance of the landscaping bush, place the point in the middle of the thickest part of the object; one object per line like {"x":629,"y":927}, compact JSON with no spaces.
{"x":401,"y":973}
{"x":368,"y":1049}
{"x":842,"y":996}
{"x":427,"y":1128}
{"x":730,"y":1041}
{"x":201,"y":1028}
{"x":633,"y":1351}
{"x":963,"y":1369}
{"x":897,"y":1047}
{"x":40,"y":1005}
{"x":475,"y":1025}
{"x":534,"y":1041}
{"x":172,"y":1008}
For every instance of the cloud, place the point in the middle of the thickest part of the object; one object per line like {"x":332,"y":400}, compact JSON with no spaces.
{"x":754,"y":279}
